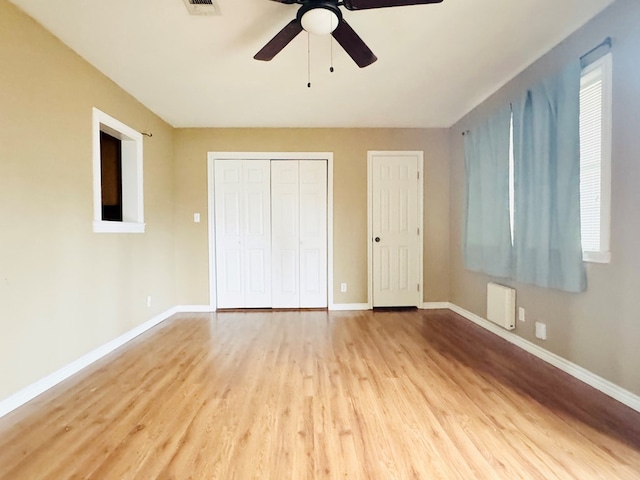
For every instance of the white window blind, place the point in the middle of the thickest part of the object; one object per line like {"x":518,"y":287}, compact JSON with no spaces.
{"x":590,"y":158}
{"x":594,"y":161}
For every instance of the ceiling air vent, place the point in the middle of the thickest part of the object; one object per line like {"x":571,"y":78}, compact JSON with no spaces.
{"x":202,"y":7}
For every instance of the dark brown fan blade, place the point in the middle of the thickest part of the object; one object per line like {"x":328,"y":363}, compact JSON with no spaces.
{"x":353,"y":44}
{"x":288,"y":2}
{"x":281,"y":40}
{"x":368,"y":4}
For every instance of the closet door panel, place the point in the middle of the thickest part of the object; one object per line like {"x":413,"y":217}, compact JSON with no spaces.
{"x":285,"y":226}
{"x":257,"y":233}
{"x":313,"y":233}
{"x":228,"y":221}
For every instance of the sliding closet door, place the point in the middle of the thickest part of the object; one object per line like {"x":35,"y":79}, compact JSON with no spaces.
{"x":229,"y":250}
{"x":299,"y":233}
{"x":313,"y":233}
{"x":242,"y":219}
{"x":285,"y":238}
{"x":271,"y":233}
{"x":257,"y":233}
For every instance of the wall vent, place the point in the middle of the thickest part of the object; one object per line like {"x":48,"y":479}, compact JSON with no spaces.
{"x":202,"y":7}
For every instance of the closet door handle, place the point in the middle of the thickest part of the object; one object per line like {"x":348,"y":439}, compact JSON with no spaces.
{"x":377,"y":239}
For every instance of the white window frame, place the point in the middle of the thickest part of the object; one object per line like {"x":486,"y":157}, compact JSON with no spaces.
{"x":605,"y":64}
{"x":132,"y":176}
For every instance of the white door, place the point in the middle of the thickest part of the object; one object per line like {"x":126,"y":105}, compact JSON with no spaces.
{"x":313,"y":233}
{"x":242,"y":219}
{"x":395,"y":235}
{"x":299,"y":233}
{"x":229,"y":249}
{"x":285,"y":238}
{"x":257,"y":233}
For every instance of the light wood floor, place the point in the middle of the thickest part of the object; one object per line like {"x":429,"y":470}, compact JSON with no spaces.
{"x":306,"y":395}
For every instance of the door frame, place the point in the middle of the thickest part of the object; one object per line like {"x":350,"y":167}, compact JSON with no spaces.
{"x":420,"y":158}
{"x":266,"y":156}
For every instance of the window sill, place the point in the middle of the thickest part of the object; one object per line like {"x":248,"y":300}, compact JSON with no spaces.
{"x":100,"y":226}
{"x":596,"y":257}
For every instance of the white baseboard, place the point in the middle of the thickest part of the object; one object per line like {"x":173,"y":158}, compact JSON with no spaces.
{"x":194,"y":309}
{"x":30,"y":392}
{"x":605,"y":386}
{"x":435,"y":306}
{"x":350,"y":306}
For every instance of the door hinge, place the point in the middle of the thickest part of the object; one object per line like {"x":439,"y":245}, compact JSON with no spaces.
{"x":418,"y":287}
{"x":418,"y":175}
{"x":418,"y":231}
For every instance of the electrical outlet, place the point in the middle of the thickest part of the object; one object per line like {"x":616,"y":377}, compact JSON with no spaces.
{"x":343,"y":287}
{"x":521,"y":314}
{"x":148,"y":300}
{"x":541,"y":330}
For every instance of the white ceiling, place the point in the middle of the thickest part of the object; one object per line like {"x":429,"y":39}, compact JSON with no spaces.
{"x":435,"y":62}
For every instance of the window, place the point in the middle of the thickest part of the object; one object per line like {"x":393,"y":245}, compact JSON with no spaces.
{"x":111,"y":177}
{"x":595,"y":161}
{"x":117,"y":176}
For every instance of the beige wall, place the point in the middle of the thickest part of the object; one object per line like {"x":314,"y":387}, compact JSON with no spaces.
{"x":599,"y":329}
{"x":63,"y":289}
{"x":349,"y":147}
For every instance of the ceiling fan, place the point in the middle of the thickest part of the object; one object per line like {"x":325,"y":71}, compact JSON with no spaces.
{"x":324,"y":17}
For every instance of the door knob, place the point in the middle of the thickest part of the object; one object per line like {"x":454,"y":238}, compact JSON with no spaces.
{"x":377,"y":239}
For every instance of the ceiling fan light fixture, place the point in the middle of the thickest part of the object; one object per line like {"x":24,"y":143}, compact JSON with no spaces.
{"x":319,"y":21}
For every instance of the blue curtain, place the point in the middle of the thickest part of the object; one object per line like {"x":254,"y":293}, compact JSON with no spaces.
{"x":487,"y":240}
{"x":547,"y":246}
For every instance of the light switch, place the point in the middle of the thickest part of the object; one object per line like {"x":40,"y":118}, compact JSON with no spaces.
{"x":196,"y":217}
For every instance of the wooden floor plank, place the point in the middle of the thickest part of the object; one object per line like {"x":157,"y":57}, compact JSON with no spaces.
{"x":320,"y":395}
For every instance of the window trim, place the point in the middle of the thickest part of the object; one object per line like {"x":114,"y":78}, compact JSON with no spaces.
{"x":605,"y":63}
{"x":132,"y":176}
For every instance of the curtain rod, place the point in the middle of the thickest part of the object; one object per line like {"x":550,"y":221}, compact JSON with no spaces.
{"x":606,"y":42}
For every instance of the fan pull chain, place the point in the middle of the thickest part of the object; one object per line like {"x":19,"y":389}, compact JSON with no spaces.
{"x":331,"y":67}
{"x":331,"y":42}
{"x":308,"y":60}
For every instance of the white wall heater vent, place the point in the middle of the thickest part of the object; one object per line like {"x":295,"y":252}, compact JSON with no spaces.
{"x":202,"y":7}
{"x":501,"y":305}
